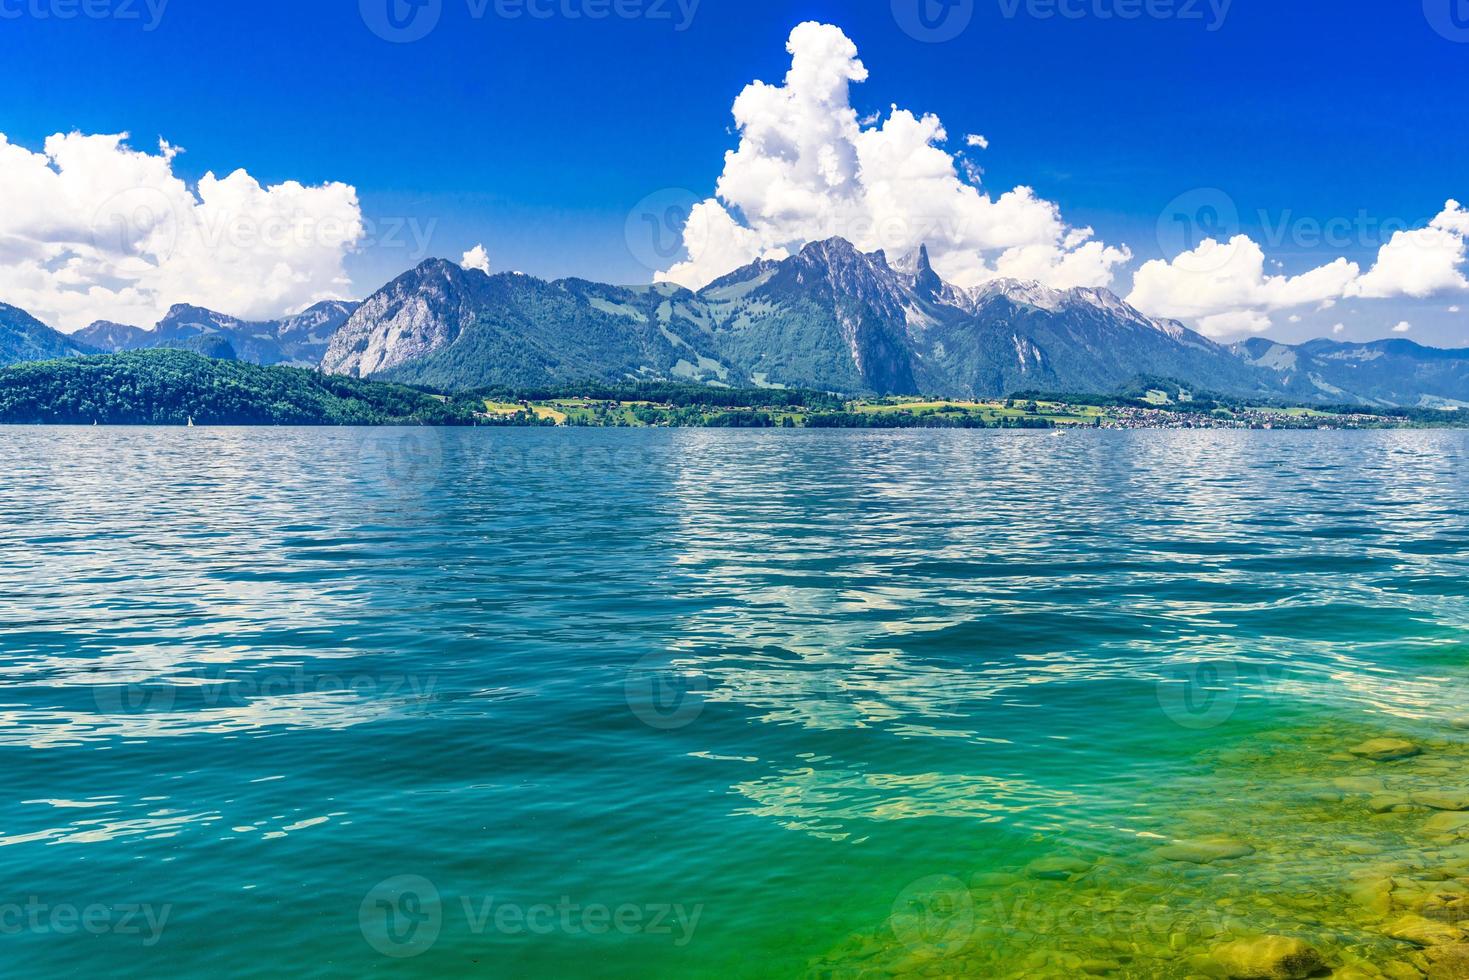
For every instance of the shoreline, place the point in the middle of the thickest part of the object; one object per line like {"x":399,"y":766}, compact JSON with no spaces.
{"x":1054,"y":430}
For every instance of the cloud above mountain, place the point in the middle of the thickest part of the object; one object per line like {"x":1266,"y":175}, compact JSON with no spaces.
{"x":1223,"y":288}
{"x":92,"y":229}
{"x":476,"y":258}
{"x":807,"y":169}
{"x":1423,"y":262}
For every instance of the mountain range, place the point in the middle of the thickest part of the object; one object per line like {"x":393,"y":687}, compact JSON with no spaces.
{"x":837,"y":319}
{"x":1383,"y":372}
{"x":830,"y":318}
{"x":296,"y":341}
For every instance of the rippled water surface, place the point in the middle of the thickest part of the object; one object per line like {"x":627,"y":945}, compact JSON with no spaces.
{"x":690,"y":703}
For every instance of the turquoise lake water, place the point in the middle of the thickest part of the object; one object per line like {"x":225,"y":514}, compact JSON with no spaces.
{"x":647,"y":703}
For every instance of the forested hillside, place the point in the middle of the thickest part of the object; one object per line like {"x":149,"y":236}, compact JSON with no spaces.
{"x":169,"y":387}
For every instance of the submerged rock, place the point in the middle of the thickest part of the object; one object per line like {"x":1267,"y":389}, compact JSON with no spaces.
{"x":1374,"y":896}
{"x":1449,"y":962}
{"x":1447,"y":823}
{"x":1446,"y":901}
{"x":1269,"y":958}
{"x":1099,"y":967}
{"x":1205,"y":851}
{"x":1386,"y":750}
{"x":1419,"y":931}
{"x":1359,"y":784}
{"x":1443,"y":799}
{"x":1058,"y":868}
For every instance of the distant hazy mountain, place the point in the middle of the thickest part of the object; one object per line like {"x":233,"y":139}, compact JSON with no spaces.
{"x":831,"y":318}
{"x":110,"y":337}
{"x":299,"y":340}
{"x":1384,"y":372}
{"x":306,"y":336}
{"x":24,"y":338}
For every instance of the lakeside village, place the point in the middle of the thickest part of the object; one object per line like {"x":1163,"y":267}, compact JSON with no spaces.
{"x":727,"y":408}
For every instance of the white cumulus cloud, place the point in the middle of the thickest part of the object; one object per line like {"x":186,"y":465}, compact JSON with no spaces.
{"x":1234,"y":324}
{"x":92,"y":229}
{"x":477,"y":258}
{"x":1402,"y":327}
{"x":1224,"y":289}
{"x":1423,"y":262}
{"x":807,"y":168}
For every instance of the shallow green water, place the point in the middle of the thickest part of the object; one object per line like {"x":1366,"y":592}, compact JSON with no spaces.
{"x":694,"y":703}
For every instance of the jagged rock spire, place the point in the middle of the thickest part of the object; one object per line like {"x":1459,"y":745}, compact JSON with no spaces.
{"x":928,"y":281}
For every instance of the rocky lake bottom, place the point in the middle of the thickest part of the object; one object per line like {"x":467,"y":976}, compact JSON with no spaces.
{"x":1313,"y":853}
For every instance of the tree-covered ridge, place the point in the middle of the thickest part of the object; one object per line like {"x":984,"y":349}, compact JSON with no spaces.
{"x":169,"y":387}
{"x":24,"y":338}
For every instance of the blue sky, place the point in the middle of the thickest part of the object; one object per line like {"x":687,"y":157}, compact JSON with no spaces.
{"x":539,"y":135}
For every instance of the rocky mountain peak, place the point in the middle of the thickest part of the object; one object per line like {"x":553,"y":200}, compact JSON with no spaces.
{"x":925,"y":280}
{"x":835,"y":249}
{"x":422,"y":311}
